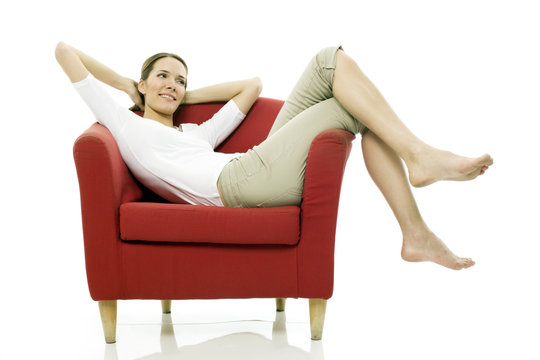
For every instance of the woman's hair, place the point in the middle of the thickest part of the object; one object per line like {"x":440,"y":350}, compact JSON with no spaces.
{"x":148,"y":66}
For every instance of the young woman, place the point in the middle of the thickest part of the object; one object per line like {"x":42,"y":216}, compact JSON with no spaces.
{"x":180,"y":163}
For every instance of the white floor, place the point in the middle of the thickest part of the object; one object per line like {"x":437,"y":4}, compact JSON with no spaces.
{"x":390,"y":324}
{"x":181,"y":335}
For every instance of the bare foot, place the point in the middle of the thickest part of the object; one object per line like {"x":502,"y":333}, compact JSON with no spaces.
{"x":428,"y":247}
{"x":431,"y":165}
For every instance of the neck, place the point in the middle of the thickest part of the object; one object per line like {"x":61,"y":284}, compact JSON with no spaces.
{"x":166,"y":120}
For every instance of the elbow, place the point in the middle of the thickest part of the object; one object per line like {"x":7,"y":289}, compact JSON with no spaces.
{"x":257,"y":85}
{"x":60,"y":51}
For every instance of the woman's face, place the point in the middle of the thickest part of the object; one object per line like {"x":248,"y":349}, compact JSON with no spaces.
{"x":165,"y":87}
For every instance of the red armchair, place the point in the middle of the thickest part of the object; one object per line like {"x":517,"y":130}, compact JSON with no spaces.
{"x":138,"y":246}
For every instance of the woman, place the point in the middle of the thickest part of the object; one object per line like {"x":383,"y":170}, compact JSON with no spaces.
{"x":331,"y":93}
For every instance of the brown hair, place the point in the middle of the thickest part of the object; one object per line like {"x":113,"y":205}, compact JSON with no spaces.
{"x":148,"y":66}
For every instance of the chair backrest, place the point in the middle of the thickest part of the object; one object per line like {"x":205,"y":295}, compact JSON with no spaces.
{"x":253,"y":130}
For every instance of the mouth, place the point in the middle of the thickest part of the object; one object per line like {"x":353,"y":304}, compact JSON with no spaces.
{"x":167,"y":97}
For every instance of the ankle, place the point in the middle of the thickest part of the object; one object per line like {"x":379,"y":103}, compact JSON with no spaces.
{"x":415,"y":235}
{"x":413,"y":153}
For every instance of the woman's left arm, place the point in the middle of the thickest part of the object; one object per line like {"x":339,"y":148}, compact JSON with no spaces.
{"x":243,"y":92}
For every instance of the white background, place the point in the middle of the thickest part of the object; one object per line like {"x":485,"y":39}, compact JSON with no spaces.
{"x":463,"y":75}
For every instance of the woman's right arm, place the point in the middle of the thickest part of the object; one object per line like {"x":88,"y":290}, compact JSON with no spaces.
{"x":77,"y":65}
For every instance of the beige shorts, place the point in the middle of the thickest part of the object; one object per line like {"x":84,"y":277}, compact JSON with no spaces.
{"x":272,"y":173}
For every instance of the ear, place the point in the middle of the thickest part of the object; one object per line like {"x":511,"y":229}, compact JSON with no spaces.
{"x":142,"y":87}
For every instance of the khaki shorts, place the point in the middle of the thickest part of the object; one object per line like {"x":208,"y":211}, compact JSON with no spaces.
{"x":272,"y":173}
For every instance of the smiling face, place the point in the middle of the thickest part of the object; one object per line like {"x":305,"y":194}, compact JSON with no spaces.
{"x":165,"y":87}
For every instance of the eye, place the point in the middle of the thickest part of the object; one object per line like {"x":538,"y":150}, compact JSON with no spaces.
{"x":181,"y":82}
{"x":162,"y":75}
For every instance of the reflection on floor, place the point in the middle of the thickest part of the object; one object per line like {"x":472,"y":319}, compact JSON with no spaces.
{"x":237,"y":346}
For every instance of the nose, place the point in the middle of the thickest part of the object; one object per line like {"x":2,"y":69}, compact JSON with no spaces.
{"x":171,"y":85}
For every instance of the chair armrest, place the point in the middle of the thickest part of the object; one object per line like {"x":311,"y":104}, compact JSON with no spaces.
{"x":325,"y":167}
{"x":105,"y":183}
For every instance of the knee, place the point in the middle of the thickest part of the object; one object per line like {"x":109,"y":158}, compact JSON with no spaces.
{"x":344,"y":60}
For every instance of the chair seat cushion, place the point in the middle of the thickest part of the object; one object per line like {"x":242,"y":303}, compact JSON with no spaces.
{"x":166,"y":222}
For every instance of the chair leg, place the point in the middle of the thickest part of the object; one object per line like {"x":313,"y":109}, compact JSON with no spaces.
{"x":166,"y":306}
{"x":280,"y":304}
{"x":107,"y":310}
{"x":317,"y":310}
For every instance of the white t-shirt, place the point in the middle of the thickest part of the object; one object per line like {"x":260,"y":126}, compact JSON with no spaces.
{"x":174,"y":164}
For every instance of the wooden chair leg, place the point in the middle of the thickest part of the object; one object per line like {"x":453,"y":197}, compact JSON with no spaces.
{"x":107,"y":309}
{"x":280,"y":304}
{"x":317,"y":310}
{"x":166,"y":306}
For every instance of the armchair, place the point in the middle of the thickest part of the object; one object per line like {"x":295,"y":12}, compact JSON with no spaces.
{"x":139,"y":246}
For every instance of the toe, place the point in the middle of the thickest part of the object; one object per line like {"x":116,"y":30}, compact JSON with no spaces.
{"x":486,"y":160}
{"x":465,"y":263}
{"x":469,"y":262}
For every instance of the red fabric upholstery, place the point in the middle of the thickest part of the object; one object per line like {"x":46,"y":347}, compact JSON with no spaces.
{"x":181,"y":252}
{"x":203,"y":224}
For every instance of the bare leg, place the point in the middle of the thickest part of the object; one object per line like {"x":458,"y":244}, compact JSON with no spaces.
{"x":419,"y":243}
{"x":426,"y":164}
